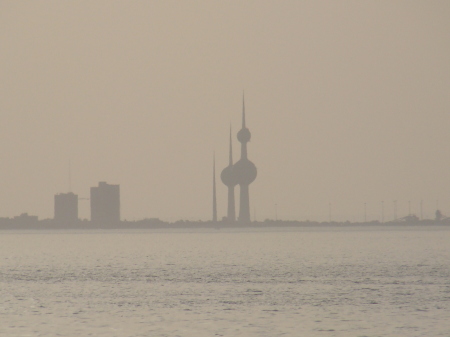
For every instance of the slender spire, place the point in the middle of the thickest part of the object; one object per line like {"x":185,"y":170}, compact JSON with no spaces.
{"x":214,"y":219}
{"x":230,"y":161}
{"x":245,"y":170}
{"x":243,"y":110}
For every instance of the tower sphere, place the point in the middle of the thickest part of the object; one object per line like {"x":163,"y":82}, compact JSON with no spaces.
{"x":244,"y":171}
{"x":244,"y":135}
{"x":228,"y":177}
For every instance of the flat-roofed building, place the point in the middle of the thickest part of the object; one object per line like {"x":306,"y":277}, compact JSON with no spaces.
{"x":26,"y":219}
{"x":66,"y":208}
{"x":105,"y":203}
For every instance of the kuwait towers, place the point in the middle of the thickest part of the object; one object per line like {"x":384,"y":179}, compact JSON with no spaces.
{"x":243,"y":173}
{"x":229,"y":180}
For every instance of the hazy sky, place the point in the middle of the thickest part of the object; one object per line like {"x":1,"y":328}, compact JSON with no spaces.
{"x":347,"y":101}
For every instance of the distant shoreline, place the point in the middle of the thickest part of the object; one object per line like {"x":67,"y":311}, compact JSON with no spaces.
{"x":49,"y":224}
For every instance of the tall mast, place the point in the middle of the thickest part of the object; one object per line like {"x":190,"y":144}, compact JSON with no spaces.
{"x":245,"y":170}
{"x":243,"y":110}
{"x":230,"y":160}
{"x":229,"y":179}
{"x":214,"y":218}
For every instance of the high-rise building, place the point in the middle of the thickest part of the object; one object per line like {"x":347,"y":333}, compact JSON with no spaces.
{"x":229,"y":180}
{"x":214,"y":215}
{"x":66,"y":208}
{"x":242,"y":173}
{"x":105,"y":203}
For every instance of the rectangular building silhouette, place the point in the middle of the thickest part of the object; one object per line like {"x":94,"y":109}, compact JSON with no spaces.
{"x":66,"y":207}
{"x":105,"y":203}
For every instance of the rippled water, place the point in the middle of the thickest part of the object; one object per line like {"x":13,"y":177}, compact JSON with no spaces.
{"x":296,"y":282}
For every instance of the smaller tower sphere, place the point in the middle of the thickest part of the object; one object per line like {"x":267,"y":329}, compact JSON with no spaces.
{"x":228,"y":177}
{"x":244,"y":135}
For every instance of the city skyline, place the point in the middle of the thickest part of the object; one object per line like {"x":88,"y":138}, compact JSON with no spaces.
{"x":105,"y":199}
{"x":225,"y":168}
{"x":382,"y":211}
{"x":348,"y":103}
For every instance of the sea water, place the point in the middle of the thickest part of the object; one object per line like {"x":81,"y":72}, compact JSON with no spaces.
{"x":351,"y":281}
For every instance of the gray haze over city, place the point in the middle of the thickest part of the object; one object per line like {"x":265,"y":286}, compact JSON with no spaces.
{"x":347,"y":115}
{"x":347,"y":101}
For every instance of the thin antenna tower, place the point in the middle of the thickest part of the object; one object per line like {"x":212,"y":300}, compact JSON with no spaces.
{"x":382,"y":211}
{"x":409,"y":207}
{"x":214,"y":217}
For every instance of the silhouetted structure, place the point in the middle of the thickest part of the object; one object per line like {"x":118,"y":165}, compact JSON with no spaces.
{"x":26,"y":218}
{"x":105,"y":203}
{"x":66,"y":208}
{"x":438,"y":216}
{"x":214,"y":217}
{"x":229,"y":180}
{"x":244,"y":171}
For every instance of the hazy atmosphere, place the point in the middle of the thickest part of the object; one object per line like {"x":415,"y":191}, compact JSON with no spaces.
{"x":347,"y":102}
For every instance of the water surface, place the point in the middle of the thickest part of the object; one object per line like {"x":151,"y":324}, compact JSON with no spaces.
{"x":362,"y":281}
